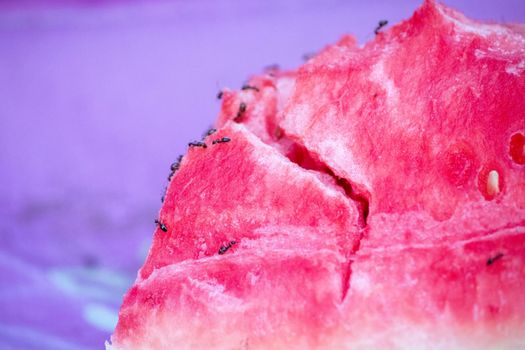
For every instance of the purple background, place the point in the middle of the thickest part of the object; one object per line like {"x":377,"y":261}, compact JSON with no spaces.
{"x":96,"y":100}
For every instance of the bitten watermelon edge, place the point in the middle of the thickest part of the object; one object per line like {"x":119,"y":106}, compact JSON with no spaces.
{"x":374,"y":198}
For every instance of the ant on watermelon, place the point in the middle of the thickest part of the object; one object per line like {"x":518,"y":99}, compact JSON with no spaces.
{"x":308,"y":56}
{"x":493,"y":259}
{"x":271,"y":67}
{"x":223,"y":249}
{"x":249,"y":87}
{"x":164,"y":195}
{"x":270,"y":70}
{"x":161,"y":225}
{"x":223,"y":140}
{"x":242,"y":109}
{"x":210,"y":131}
{"x":174,"y":167}
{"x":380,"y":25}
{"x":219,"y":95}
{"x":197,"y":144}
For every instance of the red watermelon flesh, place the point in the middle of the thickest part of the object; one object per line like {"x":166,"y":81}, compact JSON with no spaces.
{"x":375,"y":198}
{"x":256,"y":298}
{"x":286,"y":224}
{"x":450,"y":295}
{"x":245,"y":190}
{"x":421,"y":120}
{"x":264,"y":97}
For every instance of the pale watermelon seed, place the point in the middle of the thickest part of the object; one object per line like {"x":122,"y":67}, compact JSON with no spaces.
{"x":493,"y":183}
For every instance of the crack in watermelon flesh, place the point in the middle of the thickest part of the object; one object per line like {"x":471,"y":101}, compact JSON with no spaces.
{"x":300,"y":156}
{"x":372,"y":198}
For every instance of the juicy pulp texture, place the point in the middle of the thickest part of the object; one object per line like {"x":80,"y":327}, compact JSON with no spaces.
{"x":244,"y":300}
{"x":418,"y":117}
{"x":374,"y":198}
{"x":242,"y":191}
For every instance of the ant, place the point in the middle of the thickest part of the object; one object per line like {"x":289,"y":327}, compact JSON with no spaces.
{"x":308,"y":56}
{"x":197,"y":144}
{"x":174,"y":167}
{"x":223,"y":249}
{"x":380,"y":25}
{"x":242,"y":109}
{"x":209,"y":132}
{"x":219,"y":95}
{"x":271,"y":68}
{"x":495,"y":258}
{"x":224,"y":139}
{"x":161,"y":225}
{"x":249,"y":87}
{"x":164,"y":195}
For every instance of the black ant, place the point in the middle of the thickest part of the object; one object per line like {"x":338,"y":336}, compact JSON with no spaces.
{"x":308,"y":56}
{"x":209,"y":132}
{"x":174,"y":167}
{"x":164,"y":195}
{"x":495,"y":258}
{"x":161,"y":226}
{"x":242,"y":109}
{"x":197,"y":144}
{"x":224,"y":139}
{"x":223,"y":249}
{"x":272,"y":67}
{"x":380,"y":25}
{"x":249,"y":87}
{"x":219,"y":95}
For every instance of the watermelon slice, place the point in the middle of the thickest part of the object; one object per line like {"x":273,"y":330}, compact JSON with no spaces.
{"x":373,"y":198}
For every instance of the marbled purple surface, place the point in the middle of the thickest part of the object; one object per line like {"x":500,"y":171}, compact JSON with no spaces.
{"x":96,"y":100}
